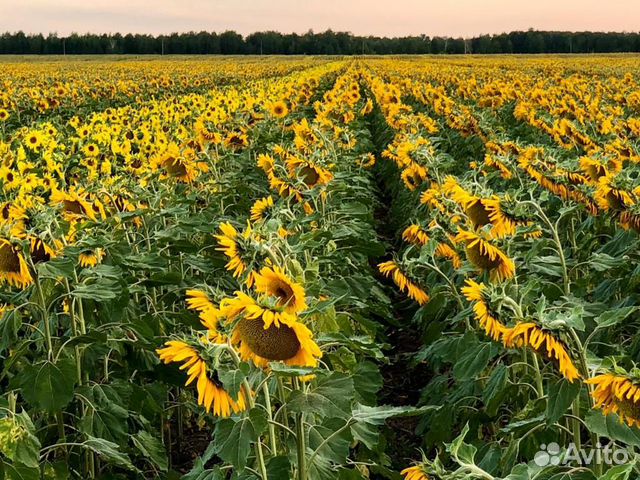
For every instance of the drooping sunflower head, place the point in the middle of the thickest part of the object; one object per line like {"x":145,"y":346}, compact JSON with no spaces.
{"x":392,"y":270}
{"x":13,"y":267}
{"x":415,"y":234}
{"x":91,"y":257}
{"x":416,"y":472}
{"x":311,"y":174}
{"x":618,"y":393}
{"x":545,"y":343}
{"x":486,"y":257}
{"x":42,"y":251}
{"x":264,"y":333}
{"x":260,"y":208}
{"x":236,"y":247}
{"x":75,"y":204}
{"x":209,"y":314}
{"x":276,"y":283}
{"x":211,"y":393}
{"x":478,"y":294}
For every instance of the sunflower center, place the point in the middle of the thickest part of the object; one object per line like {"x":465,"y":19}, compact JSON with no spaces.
{"x":284,"y":293}
{"x":615,"y":201}
{"x":629,"y":408}
{"x":481,"y":259}
{"x":175,"y":167}
{"x":309,"y":175}
{"x":9,"y":260}
{"x":274,"y":343}
{"x":39,"y":253}
{"x":73,"y":206}
{"x":478,"y":214}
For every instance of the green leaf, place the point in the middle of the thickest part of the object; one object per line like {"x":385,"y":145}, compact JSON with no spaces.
{"x":152,"y":448}
{"x":474,"y":360}
{"x":232,"y":379}
{"x":462,"y":452}
{"x":106,"y":417}
{"x":367,"y":381}
{"x":331,"y":396}
{"x":18,"y":472}
{"x":366,"y":420}
{"x":18,"y":441}
{"x":496,"y":383}
{"x":561,"y":395}
{"x":610,"y":426}
{"x":331,"y":440}
{"x":234,"y":436}
{"x":10,"y":324}
{"x":278,"y":468}
{"x":108,"y":451}
{"x":100,"y":289}
{"x":619,"y":472}
{"x":48,"y":385}
{"x":613,"y":317}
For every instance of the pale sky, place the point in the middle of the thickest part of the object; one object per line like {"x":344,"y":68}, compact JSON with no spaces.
{"x":375,"y":17}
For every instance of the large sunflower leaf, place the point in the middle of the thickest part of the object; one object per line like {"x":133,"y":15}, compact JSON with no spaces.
{"x":234,"y":436}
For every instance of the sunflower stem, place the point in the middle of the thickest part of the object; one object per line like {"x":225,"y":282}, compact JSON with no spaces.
{"x":45,"y":319}
{"x":272,"y":429}
{"x":538,"y":375}
{"x":300,"y":441}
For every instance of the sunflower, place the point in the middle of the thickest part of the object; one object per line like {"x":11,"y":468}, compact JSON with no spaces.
{"x":279,"y":109}
{"x":260,"y":208}
{"x":75,"y":204}
{"x":503,"y":224}
{"x":209,"y":313}
{"x":444,"y":250}
{"x":543,"y":343}
{"x":414,"y":473}
{"x":487,"y":257}
{"x":91,"y":258}
{"x":4,"y":115}
{"x":211,"y":393}
{"x":609,"y":198}
{"x":236,"y":140}
{"x":13,"y":267}
{"x":309,"y":173}
{"x":275,"y":282}
{"x":232,"y":244}
{"x":478,"y":294}
{"x":415,"y":234}
{"x":264,"y":333}
{"x":391,"y":270}
{"x":33,"y":140}
{"x":617,"y":394}
{"x":41,"y":251}
{"x":413,"y":176}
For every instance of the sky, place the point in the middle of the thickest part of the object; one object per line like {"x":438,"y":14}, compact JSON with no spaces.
{"x":362,"y":17}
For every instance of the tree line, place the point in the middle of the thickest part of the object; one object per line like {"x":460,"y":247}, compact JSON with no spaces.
{"x":310,"y":43}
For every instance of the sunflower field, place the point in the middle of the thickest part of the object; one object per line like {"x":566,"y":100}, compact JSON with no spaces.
{"x":317,"y":268}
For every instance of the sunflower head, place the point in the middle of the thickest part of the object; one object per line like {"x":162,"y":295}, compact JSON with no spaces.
{"x":276,"y":283}
{"x":13,"y":267}
{"x":486,"y":256}
{"x":264,"y":333}
{"x":211,"y":393}
{"x":618,"y":393}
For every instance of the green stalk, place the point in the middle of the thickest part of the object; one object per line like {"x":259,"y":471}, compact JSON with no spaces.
{"x":272,"y":429}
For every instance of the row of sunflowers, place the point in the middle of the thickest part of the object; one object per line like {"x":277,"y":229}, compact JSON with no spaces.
{"x":315,"y":269}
